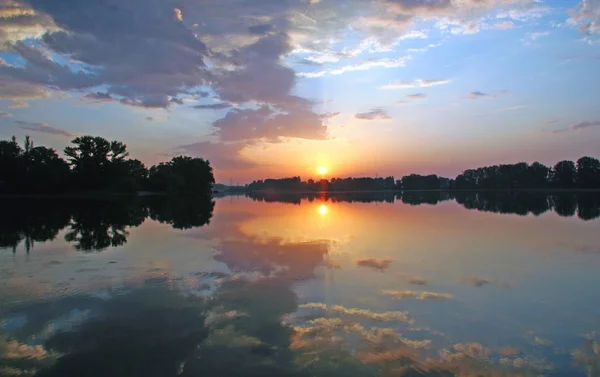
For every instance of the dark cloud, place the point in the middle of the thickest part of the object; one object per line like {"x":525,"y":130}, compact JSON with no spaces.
{"x":578,"y":126}
{"x":42,"y":127}
{"x":150,"y":119}
{"x":139,"y":49}
{"x":39,"y":69}
{"x":479,"y":282}
{"x":376,"y":113}
{"x":213,"y":106}
{"x":376,"y":264}
{"x":98,"y":97}
{"x":260,"y":29}
{"x":477,"y":95}
{"x":416,"y":96}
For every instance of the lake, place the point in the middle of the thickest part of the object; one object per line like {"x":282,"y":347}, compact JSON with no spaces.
{"x":355,"y":284}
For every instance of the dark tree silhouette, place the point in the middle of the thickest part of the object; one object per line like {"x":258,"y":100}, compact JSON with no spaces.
{"x":96,"y":162}
{"x":564,"y":174}
{"x":588,"y":173}
{"x":182,"y":175}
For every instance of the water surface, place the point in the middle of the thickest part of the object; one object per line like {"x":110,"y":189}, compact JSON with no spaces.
{"x":428,"y":284}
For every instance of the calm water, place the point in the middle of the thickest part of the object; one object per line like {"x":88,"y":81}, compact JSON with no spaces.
{"x":493,"y":284}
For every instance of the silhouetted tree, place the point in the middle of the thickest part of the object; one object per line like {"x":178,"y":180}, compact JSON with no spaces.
{"x":588,"y":173}
{"x":95,"y":161}
{"x":564,"y":174}
{"x":45,"y":171}
{"x":182,"y":175}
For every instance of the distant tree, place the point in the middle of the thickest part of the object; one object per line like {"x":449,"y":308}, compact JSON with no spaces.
{"x":184,"y":175}
{"x":588,"y":173}
{"x":538,"y":175}
{"x":564,"y":174}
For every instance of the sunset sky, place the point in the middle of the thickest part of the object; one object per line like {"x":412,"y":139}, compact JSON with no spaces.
{"x":273,"y":88}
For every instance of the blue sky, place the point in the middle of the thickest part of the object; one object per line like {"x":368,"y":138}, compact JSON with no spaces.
{"x":278,"y":88}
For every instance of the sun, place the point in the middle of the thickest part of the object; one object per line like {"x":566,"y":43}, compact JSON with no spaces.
{"x":322,"y":170}
{"x":323,"y":210}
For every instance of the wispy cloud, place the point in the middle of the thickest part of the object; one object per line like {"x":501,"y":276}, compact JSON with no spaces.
{"x":477,"y":95}
{"x":150,"y":119}
{"x":384,"y":316}
{"x":5,"y":114}
{"x":578,"y":126}
{"x":368,"y":64}
{"x":407,"y":294}
{"x":376,"y":264}
{"x":418,"y":83}
{"x":413,"y":280}
{"x":478,"y":282}
{"x":504,"y":25}
{"x":213,"y":106}
{"x":42,"y":127}
{"x":532,"y":37}
{"x":374,"y":114}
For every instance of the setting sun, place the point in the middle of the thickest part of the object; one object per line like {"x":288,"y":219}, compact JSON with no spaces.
{"x":322,"y":170}
{"x":323,"y":209}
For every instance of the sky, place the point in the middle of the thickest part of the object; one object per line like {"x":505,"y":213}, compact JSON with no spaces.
{"x":276,"y":88}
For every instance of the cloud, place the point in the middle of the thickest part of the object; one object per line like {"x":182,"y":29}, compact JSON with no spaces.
{"x":362,"y":66}
{"x":264,"y":122}
{"x":374,"y":114}
{"x":5,"y":114}
{"x":407,"y":294}
{"x":534,"y":36}
{"x":383,"y":317}
{"x":504,"y":25}
{"x":149,"y":119}
{"x":586,"y":16}
{"x":12,"y":89}
{"x":477,"y":95}
{"x":414,"y":280}
{"x":479,"y":282}
{"x":18,"y":105}
{"x":375,"y":264}
{"x":99,"y":97}
{"x":42,"y":127}
{"x":226,"y":156}
{"x":213,"y":106}
{"x":542,"y":341}
{"x":418,"y":83}
{"x":578,"y":127}
{"x":416,"y":96}
{"x":511,"y":108}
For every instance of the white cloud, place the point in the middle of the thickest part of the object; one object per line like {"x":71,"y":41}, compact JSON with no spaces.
{"x":418,"y":83}
{"x":362,"y":66}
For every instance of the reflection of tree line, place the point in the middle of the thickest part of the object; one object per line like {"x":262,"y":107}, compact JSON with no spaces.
{"x":94,"y":225}
{"x":585,"y":204}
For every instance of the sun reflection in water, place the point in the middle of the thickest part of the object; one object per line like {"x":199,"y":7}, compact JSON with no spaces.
{"x":323,"y":210}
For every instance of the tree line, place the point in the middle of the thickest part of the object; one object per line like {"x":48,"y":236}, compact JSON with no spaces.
{"x":586,"y":205}
{"x":583,"y":174}
{"x":94,"y":164}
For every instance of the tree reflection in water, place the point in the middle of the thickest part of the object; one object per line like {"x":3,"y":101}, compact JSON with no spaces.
{"x":95,"y":225}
